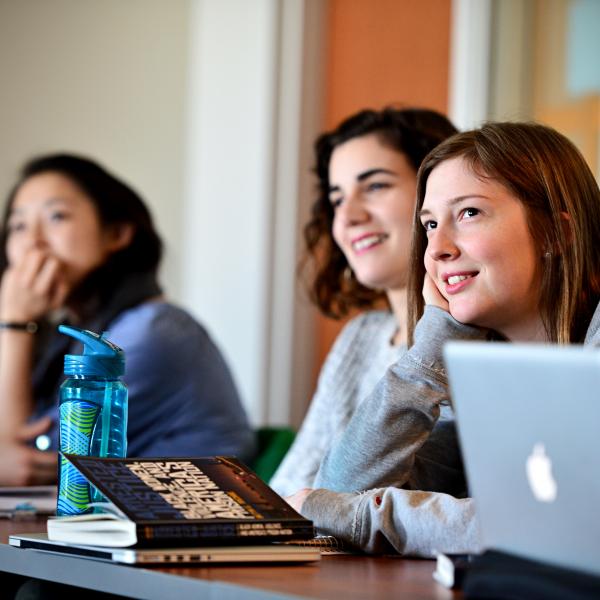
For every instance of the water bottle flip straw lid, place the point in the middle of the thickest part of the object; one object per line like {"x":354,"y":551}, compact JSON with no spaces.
{"x":100,"y":356}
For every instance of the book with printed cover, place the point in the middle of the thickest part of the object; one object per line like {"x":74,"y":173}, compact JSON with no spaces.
{"x":159,"y":502}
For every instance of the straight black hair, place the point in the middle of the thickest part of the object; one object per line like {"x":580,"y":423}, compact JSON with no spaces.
{"x":115,"y":203}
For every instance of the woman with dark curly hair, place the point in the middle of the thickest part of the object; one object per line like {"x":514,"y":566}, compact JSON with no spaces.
{"x":78,"y":245}
{"x":358,"y":242}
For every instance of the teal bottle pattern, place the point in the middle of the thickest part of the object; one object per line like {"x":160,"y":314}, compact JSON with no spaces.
{"x":93,"y":415}
{"x":77,"y":421}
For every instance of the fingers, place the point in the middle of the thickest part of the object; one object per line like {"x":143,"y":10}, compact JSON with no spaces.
{"x":32,"y":287}
{"x":37,"y":467}
{"x":296,"y":500}
{"x":46,"y":276}
{"x":44,"y":462}
{"x":31,"y":430}
{"x":50,"y":285}
{"x":42,"y":467}
{"x":60,"y":293}
{"x":432,"y":294}
{"x":22,"y":465}
{"x":30,"y":266}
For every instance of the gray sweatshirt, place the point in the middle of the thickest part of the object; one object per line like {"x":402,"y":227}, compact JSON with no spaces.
{"x":401,"y":445}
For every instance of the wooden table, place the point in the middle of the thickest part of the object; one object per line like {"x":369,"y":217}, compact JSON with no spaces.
{"x":335,"y":577}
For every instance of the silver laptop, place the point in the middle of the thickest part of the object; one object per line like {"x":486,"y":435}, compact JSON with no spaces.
{"x":270,"y":553}
{"x":529,"y":424}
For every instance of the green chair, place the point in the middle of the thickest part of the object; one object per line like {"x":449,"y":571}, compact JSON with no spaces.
{"x":273,"y":443}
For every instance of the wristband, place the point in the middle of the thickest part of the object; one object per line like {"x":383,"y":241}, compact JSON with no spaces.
{"x":26,"y":327}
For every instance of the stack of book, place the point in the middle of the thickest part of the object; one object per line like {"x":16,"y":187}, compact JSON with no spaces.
{"x":184,"y":501}
{"x":177,"y":503}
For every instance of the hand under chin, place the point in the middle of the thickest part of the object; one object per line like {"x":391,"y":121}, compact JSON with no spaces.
{"x":432,"y":294}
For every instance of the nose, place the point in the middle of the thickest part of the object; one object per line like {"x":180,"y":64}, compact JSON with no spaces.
{"x":352,"y":211}
{"x":441,"y":245}
{"x":36,"y":238}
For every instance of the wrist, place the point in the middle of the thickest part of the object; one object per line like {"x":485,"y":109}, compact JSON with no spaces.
{"x":435,"y":327}
{"x":19,"y":326}
{"x":18,"y":314}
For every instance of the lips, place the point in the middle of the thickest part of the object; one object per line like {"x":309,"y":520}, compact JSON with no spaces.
{"x":456,"y":279}
{"x":367,"y":241}
{"x":455,"y":282}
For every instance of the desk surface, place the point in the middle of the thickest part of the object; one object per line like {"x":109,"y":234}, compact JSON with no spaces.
{"x":334,"y":577}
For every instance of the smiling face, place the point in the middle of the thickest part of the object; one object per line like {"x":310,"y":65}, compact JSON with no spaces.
{"x":51,"y":214}
{"x":372,"y":190}
{"x":480,"y":253}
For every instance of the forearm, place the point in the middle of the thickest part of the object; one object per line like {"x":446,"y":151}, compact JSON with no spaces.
{"x":389,"y":520}
{"x":29,"y":289}
{"x":16,"y":402}
{"x":379,"y":445}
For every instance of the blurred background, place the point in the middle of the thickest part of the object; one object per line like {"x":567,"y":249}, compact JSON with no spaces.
{"x":209,"y":109}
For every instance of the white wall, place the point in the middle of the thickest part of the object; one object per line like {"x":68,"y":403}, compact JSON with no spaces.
{"x":470,"y":41}
{"x":247,"y":112}
{"x":209,"y":108}
{"x":105,"y":79}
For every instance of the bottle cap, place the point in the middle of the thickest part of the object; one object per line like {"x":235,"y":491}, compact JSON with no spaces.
{"x":100,"y":356}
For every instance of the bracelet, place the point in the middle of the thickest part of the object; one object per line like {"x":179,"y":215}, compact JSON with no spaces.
{"x":27,"y":327}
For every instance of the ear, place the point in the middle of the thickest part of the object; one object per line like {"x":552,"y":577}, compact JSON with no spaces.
{"x":119,"y":236}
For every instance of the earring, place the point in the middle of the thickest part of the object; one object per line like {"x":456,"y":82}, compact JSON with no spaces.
{"x":348,"y":273}
{"x":547,"y":255}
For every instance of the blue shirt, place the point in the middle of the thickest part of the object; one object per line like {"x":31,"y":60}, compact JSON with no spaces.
{"x":182,"y":398}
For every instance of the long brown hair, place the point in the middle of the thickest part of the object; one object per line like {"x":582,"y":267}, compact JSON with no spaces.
{"x":547,"y":173}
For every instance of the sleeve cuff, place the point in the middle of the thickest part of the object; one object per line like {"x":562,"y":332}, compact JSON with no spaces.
{"x":333,"y":513}
{"x":433,"y":330}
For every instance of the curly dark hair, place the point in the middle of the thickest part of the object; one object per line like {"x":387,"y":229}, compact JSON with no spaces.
{"x":412,"y":132}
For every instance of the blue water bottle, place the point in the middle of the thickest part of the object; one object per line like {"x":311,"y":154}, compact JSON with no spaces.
{"x":93,"y":415}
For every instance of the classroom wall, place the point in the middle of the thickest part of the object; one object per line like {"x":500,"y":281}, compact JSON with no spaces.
{"x":208,"y":108}
{"x":382,"y":52}
{"x":106,"y":79}
{"x":253,"y":111}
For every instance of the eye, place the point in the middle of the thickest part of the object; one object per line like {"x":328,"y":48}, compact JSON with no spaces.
{"x":429,"y":225}
{"x":15,"y":226}
{"x":58,"y":215}
{"x":470,"y":212}
{"x":335,"y":202}
{"x":375,"y":186}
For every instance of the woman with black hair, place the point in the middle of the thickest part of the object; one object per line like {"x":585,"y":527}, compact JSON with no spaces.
{"x":79,"y":246}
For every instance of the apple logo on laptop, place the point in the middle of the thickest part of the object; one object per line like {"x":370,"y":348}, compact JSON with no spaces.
{"x":539,"y":475}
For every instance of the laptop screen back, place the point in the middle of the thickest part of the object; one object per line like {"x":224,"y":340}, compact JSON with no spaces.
{"x":529,"y":425}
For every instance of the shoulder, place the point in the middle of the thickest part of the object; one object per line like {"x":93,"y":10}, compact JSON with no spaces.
{"x":371,"y":327}
{"x":156,"y":324}
{"x":363,"y":346}
{"x":158,"y":337}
